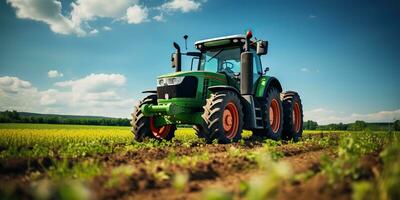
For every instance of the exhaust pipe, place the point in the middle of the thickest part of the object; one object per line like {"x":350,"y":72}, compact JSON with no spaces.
{"x":176,"y":59}
{"x":246,"y":68}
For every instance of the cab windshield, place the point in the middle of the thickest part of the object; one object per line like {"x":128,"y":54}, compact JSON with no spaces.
{"x":221,"y":60}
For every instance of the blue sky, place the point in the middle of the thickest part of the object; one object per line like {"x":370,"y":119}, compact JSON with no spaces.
{"x":92,"y":57}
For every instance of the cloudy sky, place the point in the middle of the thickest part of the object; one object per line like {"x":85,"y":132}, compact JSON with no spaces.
{"x":93,"y":57}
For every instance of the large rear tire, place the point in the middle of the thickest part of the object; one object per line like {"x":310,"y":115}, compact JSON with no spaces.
{"x":293,"y":116}
{"x":143,"y":127}
{"x":272,"y":116}
{"x":223,"y":118}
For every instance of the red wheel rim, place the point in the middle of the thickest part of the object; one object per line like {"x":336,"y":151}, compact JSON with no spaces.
{"x":160,"y":132}
{"x":296,"y":117}
{"x":230,"y":120}
{"x":274,"y":116}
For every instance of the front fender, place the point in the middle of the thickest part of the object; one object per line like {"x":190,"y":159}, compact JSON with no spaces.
{"x":217,"y":88}
{"x":150,"y":91}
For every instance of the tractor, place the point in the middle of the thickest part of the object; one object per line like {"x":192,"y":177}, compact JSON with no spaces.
{"x":226,"y":92}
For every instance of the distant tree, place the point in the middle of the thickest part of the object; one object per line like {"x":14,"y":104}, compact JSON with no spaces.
{"x":15,"y":117}
{"x":342,"y":126}
{"x":396,"y":125}
{"x":310,"y":125}
{"x":358,"y":126}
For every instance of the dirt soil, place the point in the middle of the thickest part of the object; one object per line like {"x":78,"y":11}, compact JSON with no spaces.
{"x":218,"y":169}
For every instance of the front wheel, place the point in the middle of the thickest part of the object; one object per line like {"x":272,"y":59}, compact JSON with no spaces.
{"x":144,"y":127}
{"x":223,"y":118}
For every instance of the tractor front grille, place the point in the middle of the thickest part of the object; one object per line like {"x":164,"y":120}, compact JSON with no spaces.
{"x":187,"y":89}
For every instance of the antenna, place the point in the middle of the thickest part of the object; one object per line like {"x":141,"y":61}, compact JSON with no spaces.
{"x":185,"y":37}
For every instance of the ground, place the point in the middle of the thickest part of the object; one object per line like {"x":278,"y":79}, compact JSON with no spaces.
{"x":92,"y":162}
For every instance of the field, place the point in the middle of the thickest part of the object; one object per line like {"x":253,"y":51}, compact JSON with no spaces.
{"x":100,"y":162}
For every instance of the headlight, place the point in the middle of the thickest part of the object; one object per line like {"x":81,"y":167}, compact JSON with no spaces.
{"x":160,"y":82}
{"x":170,"y":81}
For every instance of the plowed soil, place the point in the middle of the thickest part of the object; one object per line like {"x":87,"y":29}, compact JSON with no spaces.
{"x":216,"y":166}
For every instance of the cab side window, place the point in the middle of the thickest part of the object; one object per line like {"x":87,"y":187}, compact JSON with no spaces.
{"x":257,"y":68}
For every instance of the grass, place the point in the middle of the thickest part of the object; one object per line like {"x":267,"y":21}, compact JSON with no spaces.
{"x":45,"y":140}
{"x":60,"y":140}
{"x":49,"y":140}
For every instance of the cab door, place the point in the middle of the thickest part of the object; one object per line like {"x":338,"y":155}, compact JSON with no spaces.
{"x":257,"y":68}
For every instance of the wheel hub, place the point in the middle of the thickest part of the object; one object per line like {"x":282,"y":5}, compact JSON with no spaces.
{"x":160,"y":132}
{"x":296,"y":117}
{"x":230,"y":120}
{"x":274,"y":115}
{"x":227,"y":120}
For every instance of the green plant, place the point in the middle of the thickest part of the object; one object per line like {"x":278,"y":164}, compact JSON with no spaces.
{"x":363,"y":190}
{"x":266,"y":185}
{"x":350,"y":150}
{"x":216,"y":194}
{"x":64,"y":168}
{"x":389,"y":181}
{"x":180,"y":181}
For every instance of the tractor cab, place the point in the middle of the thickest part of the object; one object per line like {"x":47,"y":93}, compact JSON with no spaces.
{"x":222,"y":55}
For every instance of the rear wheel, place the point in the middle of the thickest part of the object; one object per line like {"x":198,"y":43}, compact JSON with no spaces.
{"x":293,"y":116}
{"x":272,"y":116}
{"x":144,"y":127}
{"x":223,"y":118}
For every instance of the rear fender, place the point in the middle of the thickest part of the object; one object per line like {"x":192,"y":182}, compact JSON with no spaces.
{"x":264,"y":83}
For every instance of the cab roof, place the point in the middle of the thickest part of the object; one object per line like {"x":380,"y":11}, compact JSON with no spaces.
{"x":221,"y":41}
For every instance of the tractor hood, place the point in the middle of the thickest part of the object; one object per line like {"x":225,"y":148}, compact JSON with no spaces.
{"x":199,"y":74}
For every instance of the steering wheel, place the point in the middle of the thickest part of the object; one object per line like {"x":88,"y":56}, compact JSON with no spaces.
{"x":226,"y":63}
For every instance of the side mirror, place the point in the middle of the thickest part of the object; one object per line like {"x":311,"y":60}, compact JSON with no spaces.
{"x":193,"y":62}
{"x":266,"y":70}
{"x":262,"y":47}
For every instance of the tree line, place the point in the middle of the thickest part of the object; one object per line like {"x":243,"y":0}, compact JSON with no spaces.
{"x":356,"y":126}
{"x":16,"y":117}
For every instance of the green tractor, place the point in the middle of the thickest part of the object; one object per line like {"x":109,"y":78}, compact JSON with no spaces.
{"x":227,"y":91}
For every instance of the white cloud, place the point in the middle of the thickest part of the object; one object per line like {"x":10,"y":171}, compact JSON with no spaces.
{"x":94,"y":82}
{"x":304,"y":69}
{"x":85,"y":11}
{"x":47,"y":11}
{"x":53,"y":97}
{"x":76,"y":22}
{"x":311,"y":16}
{"x":181,"y":5}
{"x":95,"y":94}
{"x":9,"y":84}
{"x":136,"y":14}
{"x":107,"y":28}
{"x":54,"y":74}
{"x":159,"y":18}
{"x":325,"y":116}
{"x":17,"y":94}
{"x":309,"y":70}
{"x":94,"y":32}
